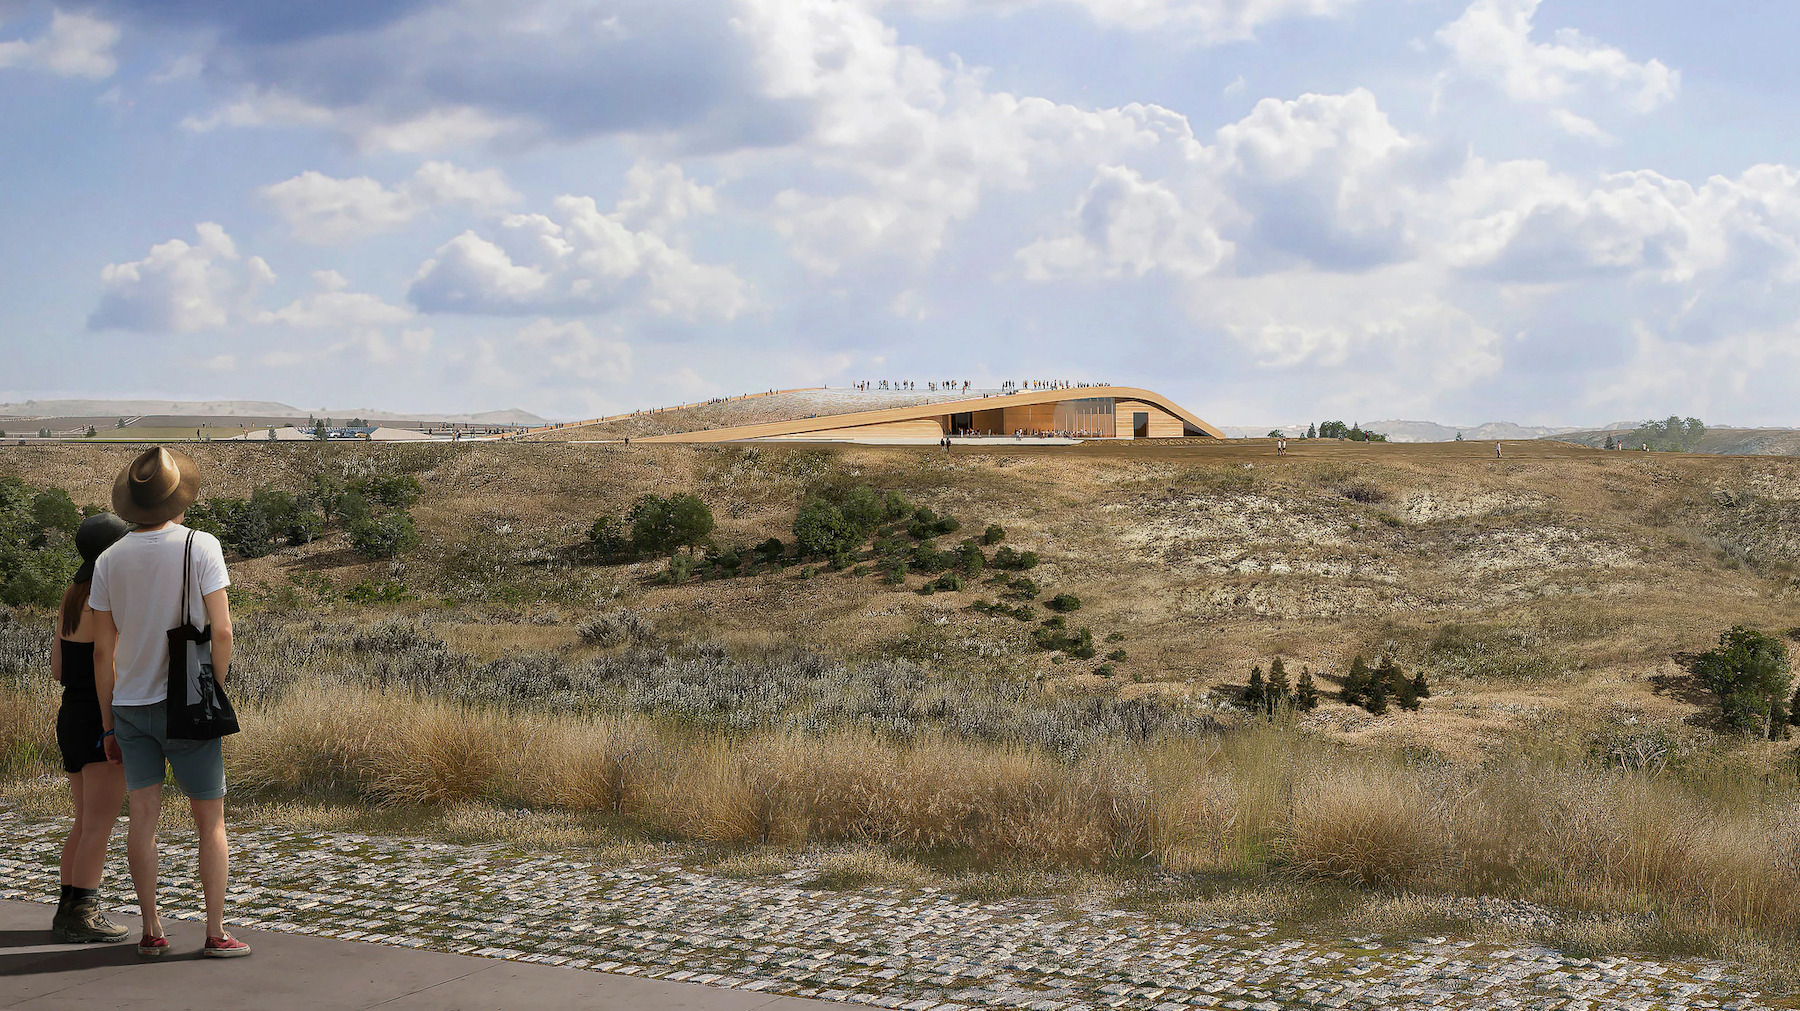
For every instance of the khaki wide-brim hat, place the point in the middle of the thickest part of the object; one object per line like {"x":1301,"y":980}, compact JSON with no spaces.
{"x":156,"y":487}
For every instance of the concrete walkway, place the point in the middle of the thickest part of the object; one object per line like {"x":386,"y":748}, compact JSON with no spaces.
{"x":291,"y":971}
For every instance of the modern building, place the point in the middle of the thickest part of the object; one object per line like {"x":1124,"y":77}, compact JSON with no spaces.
{"x":1092,"y":412}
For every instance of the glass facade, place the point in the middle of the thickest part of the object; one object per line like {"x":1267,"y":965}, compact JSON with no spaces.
{"x":1090,"y":418}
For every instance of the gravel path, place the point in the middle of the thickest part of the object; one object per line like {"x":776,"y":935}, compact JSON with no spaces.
{"x":913,"y":948}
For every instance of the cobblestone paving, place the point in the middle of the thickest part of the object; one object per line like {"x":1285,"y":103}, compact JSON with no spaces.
{"x":913,"y":948}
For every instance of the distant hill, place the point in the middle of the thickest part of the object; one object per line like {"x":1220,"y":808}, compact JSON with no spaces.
{"x":243,"y":409}
{"x":1421,"y":431}
{"x":133,"y":408}
{"x":1729,"y":441}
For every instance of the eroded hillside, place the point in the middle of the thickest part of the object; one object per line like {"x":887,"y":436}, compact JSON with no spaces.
{"x":1552,"y":578}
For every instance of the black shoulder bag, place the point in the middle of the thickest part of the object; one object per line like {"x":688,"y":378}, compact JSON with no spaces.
{"x":197,"y":707}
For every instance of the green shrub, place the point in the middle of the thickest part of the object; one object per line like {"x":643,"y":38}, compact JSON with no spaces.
{"x":383,"y":536}
{"x":994,"y":534}
{"x":370,"y":592}
{"x":1105,"y":670}
{"x":393,"y":492}
{"x":609,"y":537}
{"x":1064,"y":603}
{"x":1116,"y":655}
{"x":1024,"y":589}
{"x":809,"y":572}
{"x":1750,"y":673}
{"x":950,"y":581}
{"x":37,"y":544}
{"x":821,"y":529}
{"x":928,"y":589}
{"x":896,"y":506}
{"x":970,"y":559}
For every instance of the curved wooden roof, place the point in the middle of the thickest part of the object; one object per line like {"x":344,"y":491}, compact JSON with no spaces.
{"x":919,"y":411}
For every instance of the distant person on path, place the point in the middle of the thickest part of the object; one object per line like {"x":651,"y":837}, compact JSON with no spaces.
{"x":96,"y":786}
{"x":1496,"y":451}
{"x":137,"y":598}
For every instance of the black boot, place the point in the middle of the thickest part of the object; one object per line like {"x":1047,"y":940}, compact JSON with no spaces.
{"x":86,"y":922}
{"x":63,"y":903}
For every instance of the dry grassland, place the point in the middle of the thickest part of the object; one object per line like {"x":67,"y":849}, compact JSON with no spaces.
{"x":1565,"y":757}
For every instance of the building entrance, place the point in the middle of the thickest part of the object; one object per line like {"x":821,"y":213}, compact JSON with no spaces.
{"x":1140,"y":425}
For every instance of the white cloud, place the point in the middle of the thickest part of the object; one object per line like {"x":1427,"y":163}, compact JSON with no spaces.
{"x":571,"y":349}
{"x":1493,"y":40}
{"x":902,"y":147}
{"x":180,"y":287}
{"x":1210,"y":20}
{"x":583,"y":260}
{"x":321,"y":209}
{"x":1127,"y":226}
{"x":75,"y":45}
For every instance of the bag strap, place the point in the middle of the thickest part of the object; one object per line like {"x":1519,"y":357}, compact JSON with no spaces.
{"x":187,"y":556}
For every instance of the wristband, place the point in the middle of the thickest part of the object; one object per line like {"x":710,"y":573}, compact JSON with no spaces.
{"x":106,"y":735}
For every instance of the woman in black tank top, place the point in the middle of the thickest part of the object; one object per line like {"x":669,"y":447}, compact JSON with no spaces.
{"x":96,"y":786}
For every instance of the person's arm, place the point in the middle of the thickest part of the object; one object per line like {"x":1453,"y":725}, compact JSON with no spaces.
{"x":218,"y":615}
{"x":56,"y":652}
{"x":106,"y":645}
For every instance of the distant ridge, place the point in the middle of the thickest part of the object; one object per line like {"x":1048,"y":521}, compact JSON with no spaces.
{"x":245,"y":409}
{"x":1429,"y":431}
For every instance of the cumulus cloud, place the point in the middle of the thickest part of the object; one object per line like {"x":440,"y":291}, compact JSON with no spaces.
{"x":1493,"y":40}
{"x":321,"y":209}
{"x":180,"y":287}
{"x":74,"y":45}
{"x":579,"y":260}
{"x":1126,"y":225}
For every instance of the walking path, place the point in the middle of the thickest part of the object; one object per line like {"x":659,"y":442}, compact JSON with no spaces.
{"x":290,"y":971}
{"x":915,"y":948}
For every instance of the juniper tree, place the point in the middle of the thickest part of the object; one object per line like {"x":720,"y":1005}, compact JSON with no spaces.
{"x":1279,"y":690}
{"x":1255,"y":693}
{"x":1750,"y":674}
{"x":1377,"y":702}
{"x":1306,"y":696}
{"x":1419,"y":687}
{"x":1794,"y":709}
{"x":1356,"y":683}
{"x":1405,"y":690}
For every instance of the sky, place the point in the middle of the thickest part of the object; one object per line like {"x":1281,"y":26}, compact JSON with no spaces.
{"x":1560,"y":212}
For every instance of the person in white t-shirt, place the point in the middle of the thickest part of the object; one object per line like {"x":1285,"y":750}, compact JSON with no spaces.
{"x":136,"y":598}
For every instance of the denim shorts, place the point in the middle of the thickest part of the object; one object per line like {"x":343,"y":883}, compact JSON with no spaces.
{"x":143,"y":742}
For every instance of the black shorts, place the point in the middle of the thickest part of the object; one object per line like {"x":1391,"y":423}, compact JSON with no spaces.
{"x":78,"y":733}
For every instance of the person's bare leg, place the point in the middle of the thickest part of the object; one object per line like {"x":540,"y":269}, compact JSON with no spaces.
{"x":74,"y":840}
{"x":102,"y":789}
{"x":140,"y":853}
{"x":215,"y":860}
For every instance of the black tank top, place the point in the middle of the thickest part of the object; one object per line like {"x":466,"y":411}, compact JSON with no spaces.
{"x":78,"y":671}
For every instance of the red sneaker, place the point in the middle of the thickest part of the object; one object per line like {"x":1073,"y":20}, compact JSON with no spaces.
{"x":152,"y":947}
{"x":224,"y":947}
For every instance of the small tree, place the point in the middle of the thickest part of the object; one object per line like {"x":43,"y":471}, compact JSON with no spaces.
{"x":863,"y":510}
{"x":994,"y":534}
{"x":1377,"y":702}
{"x":1312,"y":431}
{"x":1279,"y":690}
{"x":1419,"y":688}
{"x":92,"y":431}
{"x":690,"y":521}
{"x":820,"y":528}
{"x":608,"y":537}
{"x":1356,"y":683}
{"x":1256,"y":693}
{"x":1750,"y":674}
{"x":1306,"y":694}
{"x":652,"y":526}
{"x":970,"y":559}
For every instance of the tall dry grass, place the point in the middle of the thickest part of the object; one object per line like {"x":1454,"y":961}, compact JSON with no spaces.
{"x":1714,"y":854}
{"x":1262,"y":800}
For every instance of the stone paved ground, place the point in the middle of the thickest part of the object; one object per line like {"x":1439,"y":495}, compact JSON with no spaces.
{"x":911,"y":948}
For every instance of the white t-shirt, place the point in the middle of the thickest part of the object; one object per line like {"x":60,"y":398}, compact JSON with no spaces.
{"x":138,"y":579}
